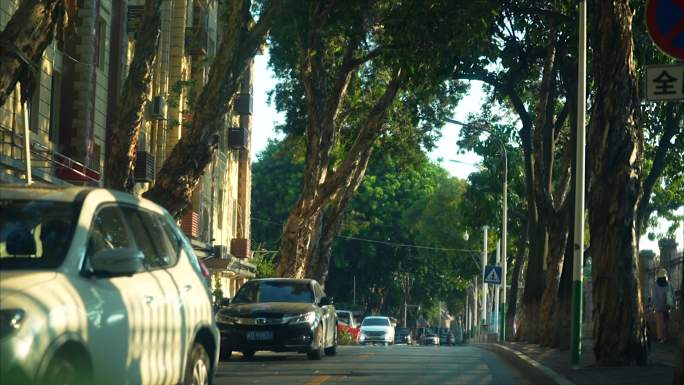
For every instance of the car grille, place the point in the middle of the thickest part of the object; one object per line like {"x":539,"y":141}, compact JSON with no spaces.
{"x":375,"y":334}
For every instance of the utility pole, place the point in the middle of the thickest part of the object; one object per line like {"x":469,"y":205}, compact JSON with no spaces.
{"x":495,"y":312}
{"x":476,"y":322}
{"x":466,"y":320}
{"x":27,"y":136}
{"x":484,"y":285}
{"x":504,"y":245}
{"x":354,"y":290}
{"x":578,"y":244}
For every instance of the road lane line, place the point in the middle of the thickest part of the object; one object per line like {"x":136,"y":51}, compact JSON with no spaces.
{"x":318,"y":380}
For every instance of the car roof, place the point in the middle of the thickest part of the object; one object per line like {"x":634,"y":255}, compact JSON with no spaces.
{"x":377,"y":316}
{"x":42,"y":192}
{"x":289,"y":280}
{"x":71,"y":194}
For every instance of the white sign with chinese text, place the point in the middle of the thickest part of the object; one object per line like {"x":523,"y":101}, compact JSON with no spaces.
{"x":665,"y":82}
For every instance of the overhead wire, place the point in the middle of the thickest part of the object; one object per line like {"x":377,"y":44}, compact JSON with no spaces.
{"x":388,"y":243}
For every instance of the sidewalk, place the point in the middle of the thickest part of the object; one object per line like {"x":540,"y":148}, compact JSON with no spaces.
{"x":548,"y":366}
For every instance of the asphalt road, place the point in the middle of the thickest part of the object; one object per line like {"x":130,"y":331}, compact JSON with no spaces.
{"x":374,"y":365}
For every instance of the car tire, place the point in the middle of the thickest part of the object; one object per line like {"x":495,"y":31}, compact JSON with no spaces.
{"x":224,"y":354}
{"x":198,"y":369}
{"x":248,"y":354}
{"x":65,"y":371}
{"x":317,"y":352}
{"x":332,"y":350}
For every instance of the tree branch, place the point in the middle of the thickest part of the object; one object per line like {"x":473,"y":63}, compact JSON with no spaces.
{"x":673,"y":125}
{"x":186,"y":163}
{"x":364,"y":140}
{"x":126,"y":126}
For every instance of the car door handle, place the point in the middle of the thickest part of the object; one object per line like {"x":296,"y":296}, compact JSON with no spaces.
{"x":149,"y":299}
{"x":186,"y":288}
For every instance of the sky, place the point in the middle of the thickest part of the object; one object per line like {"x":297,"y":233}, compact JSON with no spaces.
{"x":265,"y":118}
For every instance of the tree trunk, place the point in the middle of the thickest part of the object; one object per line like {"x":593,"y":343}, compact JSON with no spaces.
{"x":23,"y":41}
{"x":126,"y":125}
{"x":512,"y":301}
{"x":319,"y":265}
{"x":300,"y":233}
{"x":534,"y":285}
{"x":557,"y":245}
{"x":678,"y":375}
{"x":615,"y":149}
{"x":182,"y":169}
{"x":299,"y":242}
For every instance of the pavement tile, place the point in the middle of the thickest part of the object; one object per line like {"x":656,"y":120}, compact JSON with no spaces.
{"x":658,"y":372}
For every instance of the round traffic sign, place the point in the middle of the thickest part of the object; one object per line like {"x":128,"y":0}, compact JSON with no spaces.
{"x":665,"y":21}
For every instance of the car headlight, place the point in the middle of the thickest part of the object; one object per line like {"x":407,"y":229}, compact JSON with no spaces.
{"x":226,"y":319}
{"x":10,"y":321}
{"x":309,"y":318}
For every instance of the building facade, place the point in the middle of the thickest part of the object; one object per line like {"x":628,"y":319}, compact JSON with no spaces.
{"x":70,"y":111}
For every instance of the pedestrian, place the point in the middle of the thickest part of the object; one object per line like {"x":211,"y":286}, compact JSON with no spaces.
{"x":662,"y":301}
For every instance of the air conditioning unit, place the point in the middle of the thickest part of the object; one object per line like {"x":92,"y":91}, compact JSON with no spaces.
{"x":237,"y":138}
{"x":144,"y":167}
{"x":239,"y":247}
{"x":190,"y":223}
{"x":244,"y":104}
{"x":133,"y":17}
{"x":156,"y":108}
{"x":221,"y":251}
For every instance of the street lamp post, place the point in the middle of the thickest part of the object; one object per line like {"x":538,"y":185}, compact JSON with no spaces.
{"x":578,"y":247}
{"x":504,"y":224}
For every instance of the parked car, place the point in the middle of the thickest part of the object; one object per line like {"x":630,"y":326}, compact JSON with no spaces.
{"x":446,"y":337}
{"x":402,"y":336}
{"x":99,"y":287}
{"x":429,"y":337}
{"x":376,"y":329}
{"x":347,"y":323}
{"x":280,"y":315}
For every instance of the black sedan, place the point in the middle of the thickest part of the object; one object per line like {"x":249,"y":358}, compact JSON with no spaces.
{"x":279,"y":315}
{"x":402,"y":336}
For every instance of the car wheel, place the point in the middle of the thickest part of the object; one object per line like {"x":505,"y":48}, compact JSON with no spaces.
{"x":317,"y":352}
{"x":331,"y":351}
{"x":224,"y":354}
{"x":63,"y":371}
{"x":198,"y":369}
{"x":248,"y":354}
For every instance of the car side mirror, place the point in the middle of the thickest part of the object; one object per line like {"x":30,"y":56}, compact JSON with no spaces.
{"x":325,"y":301}
{"x":117,"y":262}
{"x":224,"y":302}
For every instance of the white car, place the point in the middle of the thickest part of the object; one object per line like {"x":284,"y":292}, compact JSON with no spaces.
{"x":376,"y":329}
{"x":99,"y":287}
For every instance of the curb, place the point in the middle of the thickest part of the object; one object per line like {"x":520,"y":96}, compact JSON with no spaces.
{"x":536,"y":372}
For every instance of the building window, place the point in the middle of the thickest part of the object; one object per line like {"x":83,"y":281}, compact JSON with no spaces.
{"x":55,"y":106}
{"x":100,"y":42}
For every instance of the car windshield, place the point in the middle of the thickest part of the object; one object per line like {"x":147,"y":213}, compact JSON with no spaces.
{"x":274,"y":291}
{"x":401,"y":331}
{"x":343,"y":317}
{"x":35,"y":234}
{"x":375,"y":322}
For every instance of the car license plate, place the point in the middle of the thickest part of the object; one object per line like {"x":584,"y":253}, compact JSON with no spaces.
{"x":260,"y":336}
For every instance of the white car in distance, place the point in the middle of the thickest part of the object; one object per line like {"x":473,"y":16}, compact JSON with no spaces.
{"x":376,"y":329}
{"x":99,"y":287}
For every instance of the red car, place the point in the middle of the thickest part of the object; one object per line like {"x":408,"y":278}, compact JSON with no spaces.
{"x":347,"y":323}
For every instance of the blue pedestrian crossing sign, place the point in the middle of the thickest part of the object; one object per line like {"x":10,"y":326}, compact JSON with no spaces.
{"x":492,"y":275}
